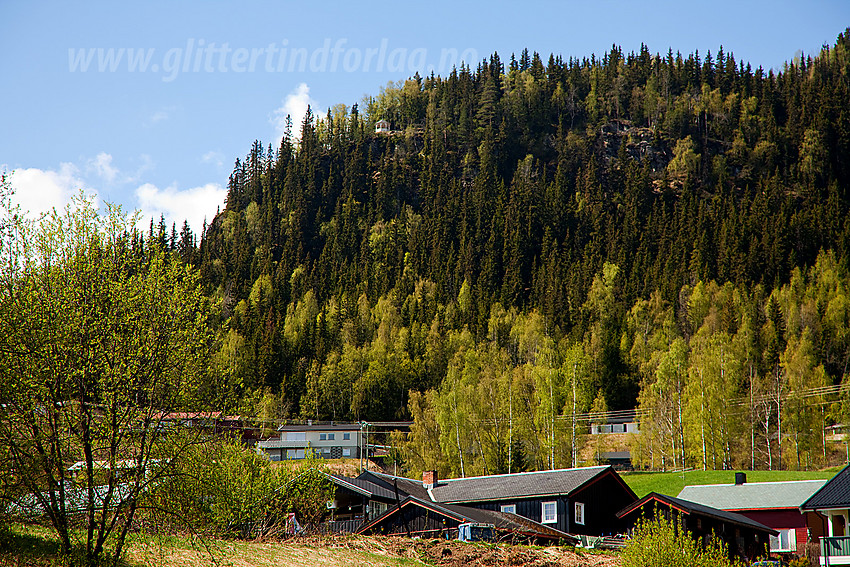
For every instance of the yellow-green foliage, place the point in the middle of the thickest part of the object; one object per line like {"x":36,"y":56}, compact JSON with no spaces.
{"x":221,"y":488}
{"x":664,"y":543}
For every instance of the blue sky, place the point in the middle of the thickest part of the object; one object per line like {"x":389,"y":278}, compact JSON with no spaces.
{"x":149,"y":104}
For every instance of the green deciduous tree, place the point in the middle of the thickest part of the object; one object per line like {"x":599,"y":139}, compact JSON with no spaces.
{"x":99,"y":341}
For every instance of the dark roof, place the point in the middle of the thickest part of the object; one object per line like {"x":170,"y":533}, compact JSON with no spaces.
{"x":405,"y":485}
{"x":834,"y":494}
{"x":616,"y":455}
{"x":688,"y":507}
{"x":515,"y":486}
{"x":364,"y":487}
{"x":503,"y":521}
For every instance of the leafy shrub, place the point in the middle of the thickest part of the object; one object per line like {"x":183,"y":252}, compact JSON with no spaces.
{"x":664,"y":543}
{"x":222,"y":488}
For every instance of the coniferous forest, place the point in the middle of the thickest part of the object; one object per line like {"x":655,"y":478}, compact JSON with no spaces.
{"x":537,"y":239}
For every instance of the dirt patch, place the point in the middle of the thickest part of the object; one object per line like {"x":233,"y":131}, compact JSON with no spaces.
{"x":454,"y":553}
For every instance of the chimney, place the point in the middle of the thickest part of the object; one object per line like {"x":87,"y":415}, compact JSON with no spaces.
{"x":740,"y":478}
{"x":429,"y":479}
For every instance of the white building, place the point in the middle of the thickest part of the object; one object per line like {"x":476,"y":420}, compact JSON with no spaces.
{"x":327,"y":440}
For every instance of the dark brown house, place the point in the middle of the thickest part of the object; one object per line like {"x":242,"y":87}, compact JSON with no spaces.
{"x":743,"y":537}
{"x":581,"y":501}
{"x":578,"y":501}
{"x":418,"y":518}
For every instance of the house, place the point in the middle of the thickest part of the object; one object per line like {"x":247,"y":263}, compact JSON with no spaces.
{"x":326,"y":440}
{"x":774,"y":504}
{"x":581,"y":501}
{"x":620,"y":460}
{"x":832,"y":502}
{"x":382,"y":127}
{"x":743,"y":537}
{"x":625,"y":421}
{"x":415,"y":517}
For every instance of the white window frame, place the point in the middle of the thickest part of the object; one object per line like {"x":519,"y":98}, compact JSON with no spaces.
{"x":330,"y":436}
{"x":346,"y":436}
{"x":509,"y":508}
{"x":579,"y":513}
{"x":323,"y":436}
{"x":346,"y":452}
{"x":296,"y":435}
{"x":549,"y":519}
{"x":790,"y":541}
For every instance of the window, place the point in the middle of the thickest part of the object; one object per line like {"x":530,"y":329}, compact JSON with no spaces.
{"x":550,"y":513}
{"x":510,"y":508}
{"x":785,"y":541}
{"x":346,"y":452}
{"x":296,"y":435}
{"x":322,"y":437}
{"x":579,"y":513}
{"x":295,"y":453}
{"x":330,"y":436}
{"x":326,"y":450}
{"x":346,"y":436}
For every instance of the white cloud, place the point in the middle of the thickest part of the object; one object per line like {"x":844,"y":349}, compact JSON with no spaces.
{"x":193,"y":205}
{"x":102,"y":166}
{"x":295,"y":105}
{"x":158,"y":116}
{"x":38,"y":191}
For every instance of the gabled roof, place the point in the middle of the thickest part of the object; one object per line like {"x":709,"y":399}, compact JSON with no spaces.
{"x":753,"y":495}
{"x":693,"y":508}
{"x":405,"y":485}
{"x":516,"y":486}
{"x":834,"y":494}
{"x":491,"y":488}
{"x":503,"y":521}
{"x":364,"y":487}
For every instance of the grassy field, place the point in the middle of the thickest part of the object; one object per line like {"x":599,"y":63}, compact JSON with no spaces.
{"x":673,"y":483}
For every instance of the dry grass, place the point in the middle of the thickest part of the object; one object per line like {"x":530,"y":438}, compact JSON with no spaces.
{"x":350,"y":551}
{"x":291,"y":553}
{"x":35,"y":547}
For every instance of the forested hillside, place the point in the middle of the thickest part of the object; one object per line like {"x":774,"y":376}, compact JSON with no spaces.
{"x":536,"y":239}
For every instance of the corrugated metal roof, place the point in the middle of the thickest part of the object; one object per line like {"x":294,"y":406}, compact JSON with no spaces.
{"x":514,"y":486}
{"x":834,"y":494}
{"x":752,"y":495}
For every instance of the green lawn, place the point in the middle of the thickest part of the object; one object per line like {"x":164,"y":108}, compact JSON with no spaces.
{"x":673,"y":483}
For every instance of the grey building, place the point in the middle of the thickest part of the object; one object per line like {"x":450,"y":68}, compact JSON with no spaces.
{"x":326,"y":440}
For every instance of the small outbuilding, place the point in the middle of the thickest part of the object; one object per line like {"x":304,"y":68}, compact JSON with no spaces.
{"x":744,"y":538}
{"x":382,"y":126}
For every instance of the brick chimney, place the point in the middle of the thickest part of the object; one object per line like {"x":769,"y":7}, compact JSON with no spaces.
{"x":429,"y":479}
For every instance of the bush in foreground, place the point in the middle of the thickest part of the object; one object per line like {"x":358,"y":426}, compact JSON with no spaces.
{"x":665,"y":543}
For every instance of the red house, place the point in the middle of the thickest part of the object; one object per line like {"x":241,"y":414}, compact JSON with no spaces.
{"x":774,"y":504}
